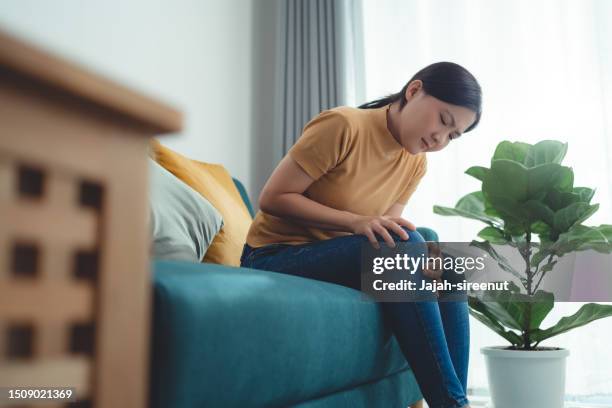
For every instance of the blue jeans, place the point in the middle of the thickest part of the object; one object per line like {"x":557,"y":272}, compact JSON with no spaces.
{"x":433,"y":336}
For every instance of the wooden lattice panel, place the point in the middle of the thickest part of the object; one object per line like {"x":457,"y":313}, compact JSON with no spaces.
{"x":49,"y":254}
{"x":74,"y":271}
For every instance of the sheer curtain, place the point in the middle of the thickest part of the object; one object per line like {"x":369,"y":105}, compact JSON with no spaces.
{"x":546,"y":72}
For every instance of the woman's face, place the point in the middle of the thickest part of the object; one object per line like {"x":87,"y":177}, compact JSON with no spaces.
{"x":427,"y":124}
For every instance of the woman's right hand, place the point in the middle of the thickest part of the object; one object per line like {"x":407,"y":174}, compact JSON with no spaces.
{"x":381,"y":224}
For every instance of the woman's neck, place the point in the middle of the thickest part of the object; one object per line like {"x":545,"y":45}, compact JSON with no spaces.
{"x":392,"y":119}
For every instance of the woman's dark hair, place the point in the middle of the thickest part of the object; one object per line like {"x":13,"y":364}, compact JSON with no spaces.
{"x":447,"y":81}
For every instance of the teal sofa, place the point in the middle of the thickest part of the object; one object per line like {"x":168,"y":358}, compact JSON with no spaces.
{"x":237,"y":337}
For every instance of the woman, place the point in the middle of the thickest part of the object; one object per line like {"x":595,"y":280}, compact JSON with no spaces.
{"x":345,"y":182}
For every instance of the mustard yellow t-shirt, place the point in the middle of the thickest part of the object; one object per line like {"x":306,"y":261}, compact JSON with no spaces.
{"x":357,"y":165}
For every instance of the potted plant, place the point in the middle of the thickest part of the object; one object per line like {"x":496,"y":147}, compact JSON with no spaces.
{"x":529,"y":203}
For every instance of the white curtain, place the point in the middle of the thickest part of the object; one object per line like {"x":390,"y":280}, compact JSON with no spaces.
{"x":546,"y":72}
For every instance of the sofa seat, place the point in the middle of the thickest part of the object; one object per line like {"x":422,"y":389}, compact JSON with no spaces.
{"x":238,"y":337}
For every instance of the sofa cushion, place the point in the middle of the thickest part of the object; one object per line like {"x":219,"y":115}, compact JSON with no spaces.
{"x":215,"y":184}
{"x":244,"y":196}
{"x":236,"y":337}
{"x":182,"y":222}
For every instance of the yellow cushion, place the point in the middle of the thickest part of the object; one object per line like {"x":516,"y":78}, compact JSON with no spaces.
{"x":215,"y":184}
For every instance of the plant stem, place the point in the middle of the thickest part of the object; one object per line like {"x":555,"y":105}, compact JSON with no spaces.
{"x":527,"y":322}
{"x":542,"y":274}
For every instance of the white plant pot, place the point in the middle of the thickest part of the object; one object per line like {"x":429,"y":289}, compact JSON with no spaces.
{"x":526,"y":379}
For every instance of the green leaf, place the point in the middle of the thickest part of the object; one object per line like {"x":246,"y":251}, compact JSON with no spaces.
{"x":515,"y":151}
{"x":479,"y":310}
{"x":472,"y":202}
{"x":567,"y":217}
{"x":515,"y":227}
{"x":505,"y":313}
{"x":470,"y":206}
{"x":500,"y":259}
{"x":538,"y":211}
{"x":557,"y":200}
{"x":540,"y":228}
{"x":513,"y":214}
{"x":513,"y":182}
{"x":507,"y":180}
{"x":586,"y":314}
{"x":543,"y":303}
{"x":489,"y":209}
{"x":515,"y":310}
{"x":548,"y":176}
{"x":545,"y":249}
{"x":478,"y":172}
{"x":582,"y":237}
{"x":585,"y":193}
{"x":493,"y":235}
{"x":548,"y":267}
{"x":546,"y":151}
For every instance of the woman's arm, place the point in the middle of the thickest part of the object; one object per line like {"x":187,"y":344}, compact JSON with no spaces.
{"x":396,"y":210}
{"x":282,"y":196}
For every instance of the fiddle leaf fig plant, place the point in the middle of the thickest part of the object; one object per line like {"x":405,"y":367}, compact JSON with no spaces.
{"x":528,"y":201}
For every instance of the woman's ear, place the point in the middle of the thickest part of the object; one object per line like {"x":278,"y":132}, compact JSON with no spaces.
{"x":412,"y":88}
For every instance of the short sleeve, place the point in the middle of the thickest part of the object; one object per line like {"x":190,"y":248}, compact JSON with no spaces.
{"x":414,"y":181}
{"x":325,"y":142}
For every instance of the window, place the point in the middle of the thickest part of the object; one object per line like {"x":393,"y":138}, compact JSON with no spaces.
{"x":546,"y":72}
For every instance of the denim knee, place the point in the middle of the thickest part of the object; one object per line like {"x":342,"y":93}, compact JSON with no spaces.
{"x":429,"y":234}
{"x":413,"y":236}
{"x":414,"y":245}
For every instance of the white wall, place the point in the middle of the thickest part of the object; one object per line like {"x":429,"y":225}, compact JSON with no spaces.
{"x":194,"y":54}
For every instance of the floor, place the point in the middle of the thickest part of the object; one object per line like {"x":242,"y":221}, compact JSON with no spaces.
{"x":484,"y":402}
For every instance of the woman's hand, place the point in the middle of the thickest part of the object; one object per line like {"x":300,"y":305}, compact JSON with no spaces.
{"x":381,"y":224}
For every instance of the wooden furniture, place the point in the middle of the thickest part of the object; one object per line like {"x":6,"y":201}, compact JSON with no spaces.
{"x":74,"y":272}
